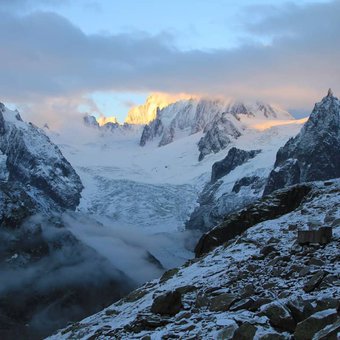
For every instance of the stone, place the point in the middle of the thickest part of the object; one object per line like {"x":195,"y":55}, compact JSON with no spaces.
{"x":314,"y":281}
{"x":234,"y":158}
{"x":273,"y":336}
{"x":316,"y":262}
{"x":222,"y":302}
{"x":266,"y":250}
{"x":330,"y":332}
{"x":327,"y":303}
{"x":322,"y":235}
{"x":228,"y":332}
{"x":307,"y":328}
{"x":245,"y":332}
{"x":168,"y":275}
{"x":169,"y":303}
{"x":300,"y":309}
{"x":279,"y":316}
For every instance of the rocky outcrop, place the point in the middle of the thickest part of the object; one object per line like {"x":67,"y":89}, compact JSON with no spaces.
{"x":314,"y":153}
{"x":221,"y":133}
{"x":154,"y":129}
{"x":234,"y":158}
{"x":270,"y":207}
{"x":36,"y":169}
{"x":90,"y":121}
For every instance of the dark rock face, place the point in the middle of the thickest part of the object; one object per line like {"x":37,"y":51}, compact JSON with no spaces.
{"x":90,"y":121}
{"x":314,"y":153}
{"x":234,"y":158}
{"x":252,"y":181}
{"x":218,"y":137}
{"x":269,"y":207}
{"x":154,"y":129}
{"x":40,"y":178}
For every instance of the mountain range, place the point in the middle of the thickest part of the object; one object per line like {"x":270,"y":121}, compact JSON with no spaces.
{"x":222,"y":178}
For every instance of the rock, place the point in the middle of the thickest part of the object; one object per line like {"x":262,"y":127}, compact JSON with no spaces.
{"x":300,"y":309}
{"x":245,"y":332}
{"x":220,"y":134}
{"x":316,"y":262}
{"x":306,"y":329}
{"x":253,"y":181}
{"x":330,"y":332}
{"x":228,"y":332}
{"x":266,"y":250}
{"x":313,"y":154}
{"x":234,"y":158}
{"x":222,"y":302}
{"x":167,"y":304}
{"x":168,"y":275}
{"x":279,"y":316}
{"x":274,"y":336}
{"x":269,"y":207}
{"x":314,"y":281}
{"x":327,"y":303}
{"x":322,"y":235}
{"x":304,"y":271}
{"x":336,"y":223}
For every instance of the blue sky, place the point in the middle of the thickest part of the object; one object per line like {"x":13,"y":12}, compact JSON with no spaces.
{"x":107,"y":55}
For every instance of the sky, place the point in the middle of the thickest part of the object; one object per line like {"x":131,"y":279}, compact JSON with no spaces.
{"x":59,"y":57}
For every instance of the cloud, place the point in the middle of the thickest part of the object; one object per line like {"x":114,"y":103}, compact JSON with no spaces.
{"x":45,"y":55}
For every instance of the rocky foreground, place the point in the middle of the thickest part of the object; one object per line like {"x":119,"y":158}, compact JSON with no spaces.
{"x":259,"y":285}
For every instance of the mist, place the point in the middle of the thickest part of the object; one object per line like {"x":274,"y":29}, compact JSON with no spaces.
{"x":60,"y":269}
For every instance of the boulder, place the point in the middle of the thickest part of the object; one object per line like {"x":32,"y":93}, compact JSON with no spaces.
{"x":169,"y":303}
{"x":307,"y":328}
{"x":314,"y":281}
{"x":245,"y":332}
{"x":279,"y":316}
{"x":222,"y":302}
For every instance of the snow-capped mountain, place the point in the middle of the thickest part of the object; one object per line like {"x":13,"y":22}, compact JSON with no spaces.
{"x":136,"y":202}
{"x":33,"y":170}
{"x":147,"y":112}
{"x":314,"y":153}
{"x":219,"y":120}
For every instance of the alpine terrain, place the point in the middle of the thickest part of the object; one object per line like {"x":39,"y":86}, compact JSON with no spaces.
{"x":223,"y":208}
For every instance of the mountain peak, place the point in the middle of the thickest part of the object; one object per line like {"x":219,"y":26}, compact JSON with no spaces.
{"x":330,"y":93}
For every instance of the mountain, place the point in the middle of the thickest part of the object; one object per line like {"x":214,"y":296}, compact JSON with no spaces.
{"x":220,"y":121}
{"x":146,"y":113}
{"x":260,"y":285}
{"x":35,"y":176}
{"x":314,"y":153}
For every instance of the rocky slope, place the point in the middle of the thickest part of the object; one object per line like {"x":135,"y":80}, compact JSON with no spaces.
{"x":259,"y":285}
{"x":35,"y":175}
{"x":314,"y":153}
{"x":218,"y":120}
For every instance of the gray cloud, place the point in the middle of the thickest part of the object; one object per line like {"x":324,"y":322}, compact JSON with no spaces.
{"x":43,"y":54}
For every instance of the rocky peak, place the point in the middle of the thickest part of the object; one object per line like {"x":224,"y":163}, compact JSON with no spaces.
{"x":314,"y":153}
{"x":37,"y":176}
